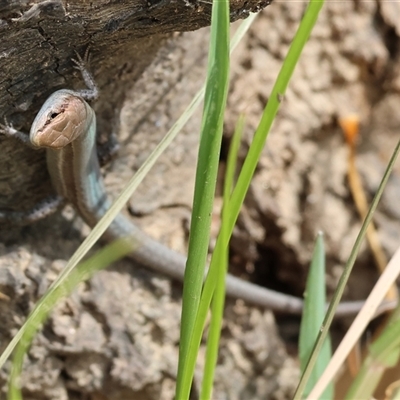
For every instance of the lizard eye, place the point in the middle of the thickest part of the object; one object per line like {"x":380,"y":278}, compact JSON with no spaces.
{"x":53,"y":115}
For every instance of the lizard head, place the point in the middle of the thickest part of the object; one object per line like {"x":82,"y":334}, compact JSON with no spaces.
{"x":62,"y":119}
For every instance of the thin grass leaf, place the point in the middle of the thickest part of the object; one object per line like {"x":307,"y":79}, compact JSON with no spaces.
{"x":231,"y":164}
{"x":270,"y":111}
{"x":361,"y":321}
{"x":214,"y":334}
{"x":249,"y":167}
{"x":206,"y":177}
{"x":102,"y":259}
{"x":217,"y":306}
{"x":342,"y":284}
{"x":313,"y":315}
{"x":384,"y":353}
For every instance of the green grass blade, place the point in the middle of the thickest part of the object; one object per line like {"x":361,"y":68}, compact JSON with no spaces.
{"x":345,"y":276}
{"x":250,"y":164}
{"x":217,"y":307}
{"x":206,"y":177}
{"x":231,"y":164}
{"x":277,"y":93}
{"x":248,"y":169}
{"x":383,"y":353}
{"x":268,"y":116}
{"x":313,"y":315}
{"x":84,"y":271}
{"x":199,"y":324}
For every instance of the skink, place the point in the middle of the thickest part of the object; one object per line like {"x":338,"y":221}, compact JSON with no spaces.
{"x":66,"y":127}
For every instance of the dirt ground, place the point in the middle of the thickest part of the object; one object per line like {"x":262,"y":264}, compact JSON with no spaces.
{"x":116,"y":337}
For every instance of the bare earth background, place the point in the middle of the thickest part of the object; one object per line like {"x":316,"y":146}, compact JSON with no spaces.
{"x":116,"y":337}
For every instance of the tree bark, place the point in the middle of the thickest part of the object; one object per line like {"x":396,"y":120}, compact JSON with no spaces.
{"x":40,"y":38}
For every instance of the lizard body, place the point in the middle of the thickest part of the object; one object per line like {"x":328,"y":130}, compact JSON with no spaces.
{"x":66,"y":127}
